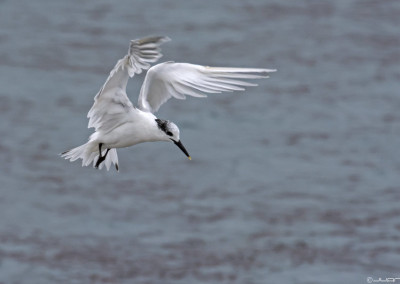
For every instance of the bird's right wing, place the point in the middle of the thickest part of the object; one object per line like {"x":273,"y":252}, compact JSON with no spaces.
{"x":169,"y":79}
{"x":111,"y":104}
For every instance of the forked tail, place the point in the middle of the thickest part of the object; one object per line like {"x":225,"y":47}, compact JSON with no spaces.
{"x":89,"y":154}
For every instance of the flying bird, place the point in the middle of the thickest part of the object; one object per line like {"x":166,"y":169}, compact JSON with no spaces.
{"x":118,"y":123}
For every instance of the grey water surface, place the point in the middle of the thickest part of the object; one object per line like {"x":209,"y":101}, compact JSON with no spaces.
{"x":294,"y":181}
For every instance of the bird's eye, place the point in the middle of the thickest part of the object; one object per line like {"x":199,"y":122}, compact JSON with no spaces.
{"x":169,"y":133}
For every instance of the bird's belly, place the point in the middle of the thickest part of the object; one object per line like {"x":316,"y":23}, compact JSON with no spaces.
{"x":126,"y":135}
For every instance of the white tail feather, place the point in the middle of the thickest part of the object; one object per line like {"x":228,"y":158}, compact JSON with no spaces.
{"x":89,"y":154}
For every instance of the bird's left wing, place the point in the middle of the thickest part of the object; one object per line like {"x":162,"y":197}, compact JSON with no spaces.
{"x":169,"y":79}
{"x":111,"y":104}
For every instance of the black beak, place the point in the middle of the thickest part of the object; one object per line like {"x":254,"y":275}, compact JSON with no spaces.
{"x":179,"y":144}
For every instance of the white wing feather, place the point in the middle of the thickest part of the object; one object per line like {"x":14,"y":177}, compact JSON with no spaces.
{"x":111,"y":104}
{"x":166,"y":80}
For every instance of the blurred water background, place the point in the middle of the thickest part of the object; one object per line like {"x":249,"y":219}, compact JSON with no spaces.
{"x":294,"y":181}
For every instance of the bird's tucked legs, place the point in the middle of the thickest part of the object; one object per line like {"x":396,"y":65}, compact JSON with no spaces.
{"x":101,"y":158}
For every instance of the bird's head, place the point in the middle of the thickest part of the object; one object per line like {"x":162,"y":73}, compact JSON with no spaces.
{"x":170,"y":132}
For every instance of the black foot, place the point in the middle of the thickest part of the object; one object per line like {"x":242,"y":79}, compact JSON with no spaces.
{"x":101,"y":158}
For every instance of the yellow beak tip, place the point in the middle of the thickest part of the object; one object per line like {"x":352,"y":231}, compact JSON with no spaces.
{"x":190,"y":158}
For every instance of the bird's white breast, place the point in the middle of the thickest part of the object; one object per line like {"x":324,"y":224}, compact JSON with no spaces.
{"x":142,"y":128}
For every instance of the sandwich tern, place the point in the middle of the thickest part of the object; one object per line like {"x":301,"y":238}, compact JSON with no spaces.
{"x":118,"y":123}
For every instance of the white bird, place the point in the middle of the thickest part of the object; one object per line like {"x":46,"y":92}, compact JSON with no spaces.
{"x":118,"y":123}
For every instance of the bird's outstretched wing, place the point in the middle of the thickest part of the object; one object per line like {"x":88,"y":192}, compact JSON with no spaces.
{"x":111,"y":104}
{"x":166,"y":80}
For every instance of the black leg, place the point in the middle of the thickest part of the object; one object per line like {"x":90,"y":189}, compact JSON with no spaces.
{"x":100,"y":145}
{"x":101,"y":158}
